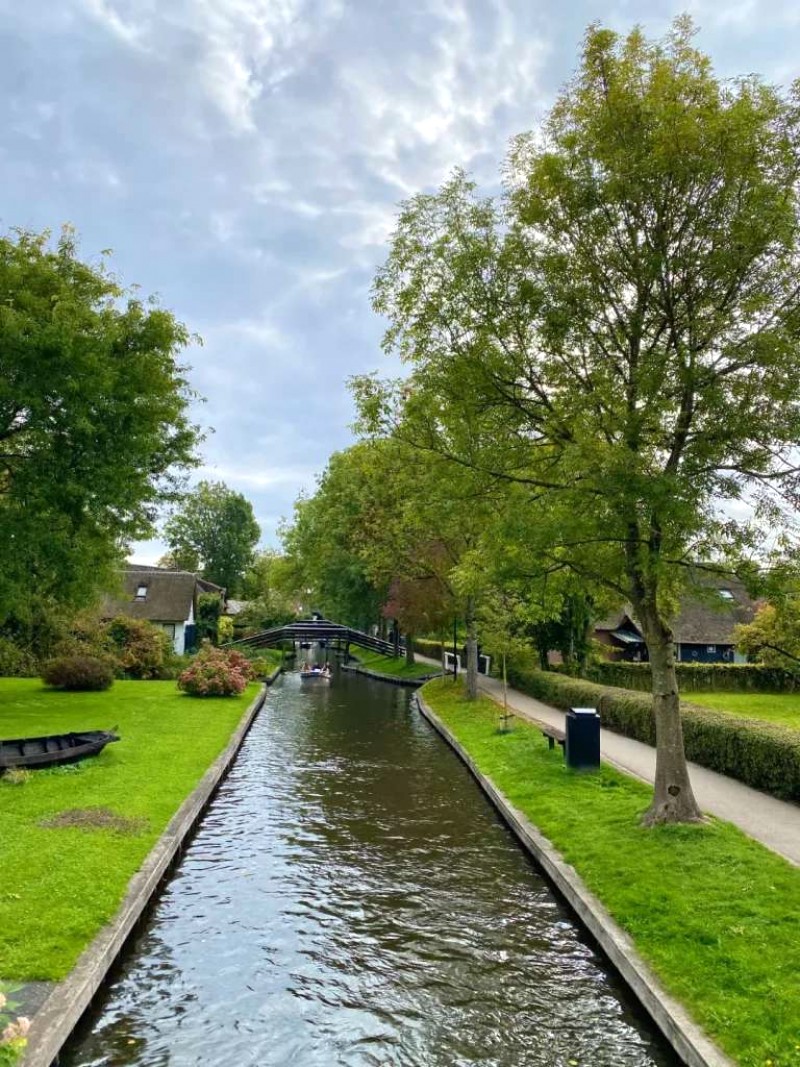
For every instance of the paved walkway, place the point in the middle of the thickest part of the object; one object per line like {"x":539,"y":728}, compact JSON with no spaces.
{"x":775,"y":823}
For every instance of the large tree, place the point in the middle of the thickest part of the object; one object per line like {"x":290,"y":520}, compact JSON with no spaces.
{"x":618,"y":335}
{"x":322,"y":543}
{"x":214,"y":530}
{"x":93,"y":421}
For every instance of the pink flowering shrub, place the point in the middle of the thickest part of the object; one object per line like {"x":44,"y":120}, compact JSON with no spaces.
{"x":13,"y":1031}
{"x":216,"y":672}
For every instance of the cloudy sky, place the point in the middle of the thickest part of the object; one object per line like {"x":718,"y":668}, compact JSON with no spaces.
{"x":244,"y":159}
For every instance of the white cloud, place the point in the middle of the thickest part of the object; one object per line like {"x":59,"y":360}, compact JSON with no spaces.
{"x":258,"y":477}
{"x":237,"y":49}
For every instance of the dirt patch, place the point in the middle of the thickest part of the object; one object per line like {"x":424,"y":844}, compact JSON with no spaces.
{"x":95,"y":819}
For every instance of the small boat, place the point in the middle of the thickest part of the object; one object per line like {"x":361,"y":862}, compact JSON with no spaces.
{"x":54,"y":749}
{"x":315,"y":674}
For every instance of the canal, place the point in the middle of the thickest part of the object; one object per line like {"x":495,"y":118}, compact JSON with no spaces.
{"x":351,"y":898}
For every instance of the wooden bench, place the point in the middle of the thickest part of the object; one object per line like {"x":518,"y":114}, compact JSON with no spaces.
{"x":553,"y":734}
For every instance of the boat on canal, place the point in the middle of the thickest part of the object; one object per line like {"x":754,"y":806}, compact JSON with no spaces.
{"x":53,"y":749}
{"x":315,"y":674}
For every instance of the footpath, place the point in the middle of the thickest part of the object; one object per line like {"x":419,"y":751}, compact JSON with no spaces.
{"x":775,"y":823}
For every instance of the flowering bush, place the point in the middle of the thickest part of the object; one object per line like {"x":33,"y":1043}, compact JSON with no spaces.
{"x":13,"y":1031}
{"x":216,"y":672}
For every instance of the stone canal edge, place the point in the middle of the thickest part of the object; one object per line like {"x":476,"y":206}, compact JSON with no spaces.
{"x":688,"y":1040}
{"x":411,"y":683}
{"x":62,"y":1009}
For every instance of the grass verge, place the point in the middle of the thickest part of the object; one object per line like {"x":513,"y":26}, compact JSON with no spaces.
{"x":396,"y":666}
{"x":268,"y":659}
{"x":60,"y":885}
{"x":781,"y":708}
{"x":716,"y":915}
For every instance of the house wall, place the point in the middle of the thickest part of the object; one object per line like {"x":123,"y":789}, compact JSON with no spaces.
{"x":179,"y":635}
{"x":710,"y":653}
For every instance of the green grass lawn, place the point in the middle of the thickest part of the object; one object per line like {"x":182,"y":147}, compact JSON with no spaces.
{"x":782,"y":708}
{"x":715,"y":914}
{"x":59,"y":886}
{"x":397,"y":667}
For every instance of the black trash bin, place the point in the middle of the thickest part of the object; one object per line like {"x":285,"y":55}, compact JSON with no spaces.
{"x":582,"y":746}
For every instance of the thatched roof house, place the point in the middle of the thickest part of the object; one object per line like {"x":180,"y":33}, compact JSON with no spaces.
{"x":703,"y":628}
{"x":164,"y":597}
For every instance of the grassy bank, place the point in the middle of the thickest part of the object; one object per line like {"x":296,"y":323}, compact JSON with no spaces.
{"x":396,"y":666}
{"x":781,"y":708}
{"x":716,"y":915}
{"x":59,"y":885}
{"x":268,"y":659}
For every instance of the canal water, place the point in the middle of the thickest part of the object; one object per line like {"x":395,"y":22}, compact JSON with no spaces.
{"x":350,"y":898}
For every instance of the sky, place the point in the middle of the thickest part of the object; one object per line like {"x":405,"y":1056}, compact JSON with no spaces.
{"x":245,"y":160}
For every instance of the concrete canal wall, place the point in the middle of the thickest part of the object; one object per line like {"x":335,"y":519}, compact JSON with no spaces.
{"x":63,"y":1007}
{"x":410,"y":683}
{"x":671,"y":1018}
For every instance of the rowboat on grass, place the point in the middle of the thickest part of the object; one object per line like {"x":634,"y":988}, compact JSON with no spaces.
{"x":54,"y":749}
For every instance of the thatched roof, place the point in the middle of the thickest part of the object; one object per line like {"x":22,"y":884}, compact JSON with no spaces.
{"x":169,"y":595}
{"x":707,"y":616}
{"x":711,"y":615}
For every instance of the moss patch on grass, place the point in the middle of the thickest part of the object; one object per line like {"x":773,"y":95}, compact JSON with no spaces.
{"x":716,"y":915}
{"x":396,"y":666}
{"x":781,"y":708}
{"x":57,"y":888}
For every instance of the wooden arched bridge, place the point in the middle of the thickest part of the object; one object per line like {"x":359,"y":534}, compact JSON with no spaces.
{"x":316,"y":630}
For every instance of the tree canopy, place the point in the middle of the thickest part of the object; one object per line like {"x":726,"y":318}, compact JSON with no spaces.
{"x":215,"y":531}
{"x":94,"y":425}
{"x":616,"y":335}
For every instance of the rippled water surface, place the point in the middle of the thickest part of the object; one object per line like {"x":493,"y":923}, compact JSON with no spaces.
{"x":350,"y":898}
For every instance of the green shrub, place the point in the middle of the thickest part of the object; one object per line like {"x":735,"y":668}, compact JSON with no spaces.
{"x":427,"y":647}
{"x":763,"y":755}
{"x":209,"y":609}
{"x":78,"y":673}
{"x":216,"y":672}
{"x":700,"y":677}
{"x":16,"y":662}
{"x":263,"y":664}
{"x":140,"y":649}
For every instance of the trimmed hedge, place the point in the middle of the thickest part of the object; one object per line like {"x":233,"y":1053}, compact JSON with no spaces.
{"x":426,"y":647}
{"x":760,"y":754}
{"x":700,"y":677}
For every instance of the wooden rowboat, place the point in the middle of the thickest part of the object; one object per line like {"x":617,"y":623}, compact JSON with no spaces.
{"x":54,"y":749}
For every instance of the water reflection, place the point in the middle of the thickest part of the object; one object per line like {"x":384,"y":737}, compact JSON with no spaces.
{"x":350,"y":898}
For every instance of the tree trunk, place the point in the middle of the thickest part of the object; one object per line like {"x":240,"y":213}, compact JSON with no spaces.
{"x":410,"y":650}
{"x":396,"y":637}
{"x":472,"y":652}
{"x":673,"y":799}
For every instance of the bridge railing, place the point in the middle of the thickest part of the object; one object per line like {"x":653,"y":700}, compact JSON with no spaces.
{"x":313,"y":630}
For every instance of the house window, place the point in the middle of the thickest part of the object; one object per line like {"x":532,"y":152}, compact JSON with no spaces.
{"x":169,"y":627}
{"x":711,"y":648}
{"x":726,"y":594}
{"x":141,"y":592}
